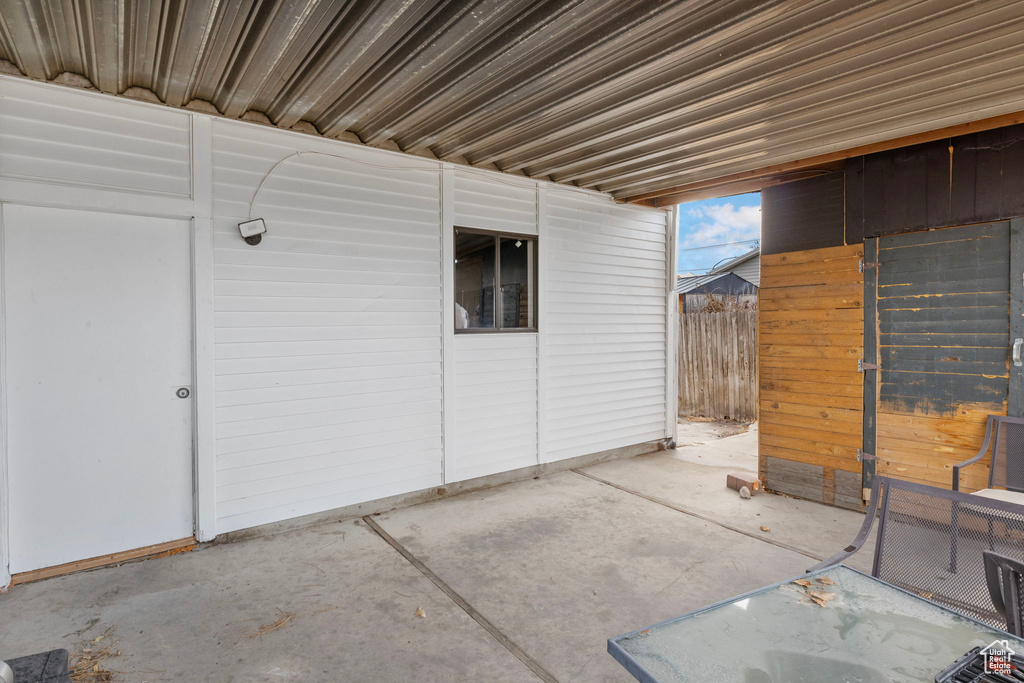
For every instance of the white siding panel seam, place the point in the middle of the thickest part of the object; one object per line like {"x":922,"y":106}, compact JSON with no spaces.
{"x":59,"y":136}
{"x":608,"y":339}
{"x":330,"y":361}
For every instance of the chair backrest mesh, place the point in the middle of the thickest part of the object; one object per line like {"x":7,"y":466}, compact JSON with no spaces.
{"x":931,"y":542}
{"x":1008,"y":454}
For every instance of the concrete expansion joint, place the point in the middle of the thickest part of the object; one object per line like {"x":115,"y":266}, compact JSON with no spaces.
{"x":705,"y":518}
{"x":493,"y":630}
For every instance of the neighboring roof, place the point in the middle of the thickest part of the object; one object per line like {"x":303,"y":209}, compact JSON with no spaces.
{"x":721,"y":283}
{"x":630,"y":98}
{"x":688,"y":284}
{"x":732,"y":263}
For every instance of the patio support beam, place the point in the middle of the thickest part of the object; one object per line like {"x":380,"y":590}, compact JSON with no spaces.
{"x":204,"y":406}
{"x":870,"y":428}
{"x":671,"y":326}
{"x":758,"y":179}
{"x":448,"y":322}
{"x":5,"y":554}
{"x":542,"y":323}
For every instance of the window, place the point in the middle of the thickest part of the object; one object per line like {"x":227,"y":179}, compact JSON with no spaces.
{"x":495,"y":281}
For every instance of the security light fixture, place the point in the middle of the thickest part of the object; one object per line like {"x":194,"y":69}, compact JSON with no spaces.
{"x":252,"y":231}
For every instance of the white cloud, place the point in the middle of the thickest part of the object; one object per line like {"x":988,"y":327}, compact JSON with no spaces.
{"x":704,"y":224}
{"x":722,"y":224}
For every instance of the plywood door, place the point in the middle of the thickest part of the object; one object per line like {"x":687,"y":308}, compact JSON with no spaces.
{"x":943,"y":341}
{"x":98,"y":339}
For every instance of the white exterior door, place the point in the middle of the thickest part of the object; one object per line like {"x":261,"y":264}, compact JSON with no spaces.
{"x":98,"y":336}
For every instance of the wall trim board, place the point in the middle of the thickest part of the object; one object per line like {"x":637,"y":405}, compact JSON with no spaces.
{"x":671,"y":325}
{"x":871,"y":355}
{"x":542,"y":323}
{"x":204,"y":387}
{"x":447,"y":322}
{"x":58,"y":196}
{"x":427,"y":495}
{"x":5,"y":554}
{"x":181,"y":545}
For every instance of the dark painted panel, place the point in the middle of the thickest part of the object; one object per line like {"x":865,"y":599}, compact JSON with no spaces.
{"x":955,"y":282}
{"x":963,"y":339}
{"x":946,"y":315}
{"x":975,"y":260}
{"x":958,"y":234}
{"x":1015,"y":402}
{"x":985,"y":326}
{"x":988,"y":185}
{"x":894,"y":192}
{"x":951,"y":388}
{"x":1011,"y":197}
{"x":985,"y":245}
{"x":981,"y":284}
{"x":952,"y":367}
{"x":983,"y":299}
{"x":937,"y":175}
{"x":972,"y":354}
{"x":802,"y":215}
{"x":963,"y":185}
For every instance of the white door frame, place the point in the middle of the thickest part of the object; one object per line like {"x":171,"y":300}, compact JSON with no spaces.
{"x":5,"y":554}
{"x":199,"y":212}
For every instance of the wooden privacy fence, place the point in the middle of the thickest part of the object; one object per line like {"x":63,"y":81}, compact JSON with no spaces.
{"x":718,"y":365}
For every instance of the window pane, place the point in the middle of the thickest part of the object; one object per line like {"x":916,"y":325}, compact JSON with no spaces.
{"x":474,"y":281}
{"x":516,"y":282}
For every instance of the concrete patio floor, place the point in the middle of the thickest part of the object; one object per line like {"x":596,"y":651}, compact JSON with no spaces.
{"x":522,"y":582}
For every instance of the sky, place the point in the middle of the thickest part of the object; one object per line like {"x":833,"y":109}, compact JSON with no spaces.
{"x":714,"y":222}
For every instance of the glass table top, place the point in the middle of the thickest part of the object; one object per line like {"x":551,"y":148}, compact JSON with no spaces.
{"x":866,"y":632}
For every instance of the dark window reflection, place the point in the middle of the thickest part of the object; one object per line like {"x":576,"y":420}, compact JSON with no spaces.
{"x":474,"y":281}
{"x":516,"y":275}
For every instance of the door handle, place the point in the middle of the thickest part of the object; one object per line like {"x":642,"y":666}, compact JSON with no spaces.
{"x":1017,"y":343}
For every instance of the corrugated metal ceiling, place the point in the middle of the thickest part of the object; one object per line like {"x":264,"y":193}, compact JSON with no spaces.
{"x":625,"y":97}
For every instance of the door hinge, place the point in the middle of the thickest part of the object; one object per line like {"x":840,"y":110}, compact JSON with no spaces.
{"x":862,"y":456}
{"x":865,"y":265}
{"x":862,"y":366}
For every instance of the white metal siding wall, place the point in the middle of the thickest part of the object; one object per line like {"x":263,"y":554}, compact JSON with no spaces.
{"x":328,"y":353}
{"x":750,"y":271}
{"x":495,"y":373}
{"x":495,"y":403}
{"x":503,"y":203}
{"x":66,"y":137}
{"x":328,"y":335}
{"x":605,"y":340}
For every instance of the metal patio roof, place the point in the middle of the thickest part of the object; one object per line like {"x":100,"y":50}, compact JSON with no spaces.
{"x":638,"y":99}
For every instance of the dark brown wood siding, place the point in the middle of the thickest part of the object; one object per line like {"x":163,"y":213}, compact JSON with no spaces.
{"x":958,"y":181}
{"x":942,"y":309}
{"x":802,"y":215}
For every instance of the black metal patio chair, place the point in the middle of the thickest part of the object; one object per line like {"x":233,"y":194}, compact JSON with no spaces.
{"x":1005,"y":578}
{"x":1006,"y":472}
{"x":932,"y":541}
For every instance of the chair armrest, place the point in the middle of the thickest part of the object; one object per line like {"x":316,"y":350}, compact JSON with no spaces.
{"x":981,"y":454}
{"x":862,"y":535}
